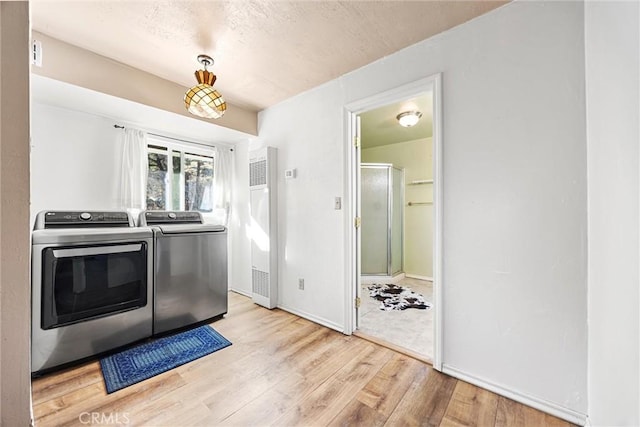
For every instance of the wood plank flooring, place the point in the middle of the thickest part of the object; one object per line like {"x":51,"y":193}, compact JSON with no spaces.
{"x":284,"y":371}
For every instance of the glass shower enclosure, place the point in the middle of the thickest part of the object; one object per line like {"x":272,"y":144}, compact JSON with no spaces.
{"x":382,"y":203}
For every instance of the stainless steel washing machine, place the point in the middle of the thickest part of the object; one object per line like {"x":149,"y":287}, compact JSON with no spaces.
{"x":92,"y":285}
{"x":190,"y":269}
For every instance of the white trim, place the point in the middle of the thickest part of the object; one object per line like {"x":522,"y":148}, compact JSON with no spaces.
{"x":394,"y":95}
{"x":415,"y":276}
{"x":438,"y":226}
{"x":315,"y":319}
{"x":350,"y":289}
{"x":526,"y":399}
{"x":409,"y":90}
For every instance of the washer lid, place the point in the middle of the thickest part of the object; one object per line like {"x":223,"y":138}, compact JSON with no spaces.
{"x":190,"y":228}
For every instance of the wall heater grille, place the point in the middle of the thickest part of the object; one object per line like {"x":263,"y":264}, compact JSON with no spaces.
{"x":260,"y":282}
{"x":264,"y":226}
{"x":258,"y":173}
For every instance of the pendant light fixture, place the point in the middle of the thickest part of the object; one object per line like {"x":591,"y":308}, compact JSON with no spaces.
{"x":409,"y":118}
{"x":203,"y":100}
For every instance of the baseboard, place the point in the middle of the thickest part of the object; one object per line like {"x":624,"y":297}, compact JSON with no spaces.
{"x":368,"y":280}
{"x":537,"y":403}
{"x":238,"y":291}
{"x":398,"y":277}
{"x":315,"y":319}
{"x":415,"y":276}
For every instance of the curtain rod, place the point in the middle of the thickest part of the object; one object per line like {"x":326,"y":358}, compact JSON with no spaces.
{"x":175,"y":139}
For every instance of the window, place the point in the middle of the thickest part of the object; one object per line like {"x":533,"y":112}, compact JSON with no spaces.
{"x":187,"y":185}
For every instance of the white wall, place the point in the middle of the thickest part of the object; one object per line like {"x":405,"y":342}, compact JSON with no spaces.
{"x":307,"y":132}
{"x":612,"y":75}
{"x":75,"y":160}
{"x":240,"y":245}
{"x":514,"y":197}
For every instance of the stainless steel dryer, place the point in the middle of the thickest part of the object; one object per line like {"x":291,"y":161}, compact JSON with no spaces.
{"x":92,"y":285}
{"x":190,"y":269}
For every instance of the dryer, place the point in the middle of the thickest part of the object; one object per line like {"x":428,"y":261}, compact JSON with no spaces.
{"x":92,"y":285}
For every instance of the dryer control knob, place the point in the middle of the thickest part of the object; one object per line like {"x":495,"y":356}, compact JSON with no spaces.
{"x":85,"y":216}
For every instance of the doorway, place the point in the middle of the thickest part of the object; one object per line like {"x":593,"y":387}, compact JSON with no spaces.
{"x":395,"y":241}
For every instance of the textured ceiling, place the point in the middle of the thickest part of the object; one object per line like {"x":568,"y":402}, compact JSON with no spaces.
{"x":264,"y":51}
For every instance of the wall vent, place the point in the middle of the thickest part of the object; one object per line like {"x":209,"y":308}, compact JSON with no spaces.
{"x":260,"y":282}
{"x":264,"y":224}
{"x":258,"y":173}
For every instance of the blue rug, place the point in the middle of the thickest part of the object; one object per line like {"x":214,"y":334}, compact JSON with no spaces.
{"x":139,"y":363}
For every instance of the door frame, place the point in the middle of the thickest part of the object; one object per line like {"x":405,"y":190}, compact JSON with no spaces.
{"x":352,"y":234}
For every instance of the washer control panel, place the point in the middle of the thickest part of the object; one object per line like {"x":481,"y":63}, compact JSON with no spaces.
{"x":74,"y":219}
{"x":172,"y":217}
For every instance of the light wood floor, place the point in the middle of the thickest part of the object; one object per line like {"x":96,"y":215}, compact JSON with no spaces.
{"x":285,"y":371}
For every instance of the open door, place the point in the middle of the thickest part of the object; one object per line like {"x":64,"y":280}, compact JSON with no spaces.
{"x":355,"y":126}
{"x":357,"y":311}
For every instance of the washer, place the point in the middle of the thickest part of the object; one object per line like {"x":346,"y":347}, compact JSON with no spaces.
{"x":92,"y":285}
{"x":190,"y":269}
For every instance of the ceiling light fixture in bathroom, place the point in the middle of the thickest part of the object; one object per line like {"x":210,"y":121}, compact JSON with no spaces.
{"x":409,"y":118}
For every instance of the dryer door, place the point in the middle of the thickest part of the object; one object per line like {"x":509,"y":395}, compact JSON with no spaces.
{"x":85,"y":282}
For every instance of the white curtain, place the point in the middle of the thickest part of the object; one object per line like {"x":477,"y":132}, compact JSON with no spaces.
{"x":222,"y":184}
{"x":133,"y":175}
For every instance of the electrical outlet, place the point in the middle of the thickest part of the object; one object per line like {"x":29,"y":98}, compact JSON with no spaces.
{"x":301,"y":284}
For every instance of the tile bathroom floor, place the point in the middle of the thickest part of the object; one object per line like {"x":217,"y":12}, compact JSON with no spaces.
{"x":411,"y":328}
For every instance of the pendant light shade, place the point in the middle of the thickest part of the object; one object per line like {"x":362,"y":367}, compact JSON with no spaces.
{"x":203,"y":100}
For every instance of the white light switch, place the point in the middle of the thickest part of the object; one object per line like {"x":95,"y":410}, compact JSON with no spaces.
{"x":338,"y":203}
{"x":36,"y":53}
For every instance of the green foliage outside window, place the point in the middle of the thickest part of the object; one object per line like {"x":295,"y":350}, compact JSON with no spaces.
{"x":191,"y":176}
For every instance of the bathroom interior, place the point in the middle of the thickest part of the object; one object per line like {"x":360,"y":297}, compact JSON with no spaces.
{"x":396,"y":193}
